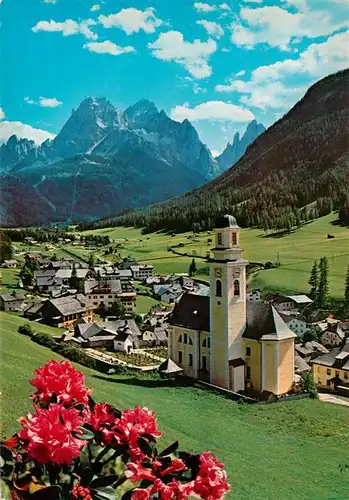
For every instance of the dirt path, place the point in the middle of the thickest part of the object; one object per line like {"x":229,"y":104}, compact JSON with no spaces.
{"x":330,"y":398}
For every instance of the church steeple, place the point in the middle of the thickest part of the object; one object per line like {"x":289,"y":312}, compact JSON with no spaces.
{"x":227,"y":305}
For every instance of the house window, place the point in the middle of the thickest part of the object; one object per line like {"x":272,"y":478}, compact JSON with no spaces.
{"x":180,"y":357}
{"x":110,"y":296}
{"x":218,"y":288}
{"x":248,"y":351}
{"x":346,"y":376}
{"x":337,"y":374}
{"x":248,"y":372}
{"x":204,"y":363}
{"x":219,"y":238}
{"x":233,"y":238}
{"x":190,"y":360}
{"x":329,"y":383}
{"x":236,"y":288}
{"x":328,"y":371}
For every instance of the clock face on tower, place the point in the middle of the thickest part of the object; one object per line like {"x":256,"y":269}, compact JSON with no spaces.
{"x":236,"y":273}
{"x":218,"y":272}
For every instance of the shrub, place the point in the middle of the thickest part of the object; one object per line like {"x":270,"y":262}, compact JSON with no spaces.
{"x":44,"y":339}
{"x":308,"y":384}
{"x":26,"y":329}
{"x":269,"y":265}
{"x":70,"y":447}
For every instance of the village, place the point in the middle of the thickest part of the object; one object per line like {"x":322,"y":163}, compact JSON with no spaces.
{"x":93,"y":305}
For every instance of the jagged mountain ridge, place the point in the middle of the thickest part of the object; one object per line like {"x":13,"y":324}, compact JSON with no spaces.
{"x":303,"y":158}
{"x":235,"y":150}
{"x":103,"y":160}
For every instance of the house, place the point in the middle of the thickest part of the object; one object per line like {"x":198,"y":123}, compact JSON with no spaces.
{"x":331,"y":370}
{"x":141,"y":273}
{"x":301,"y":365}
{"x":284,"y":303}
{"x":254,"y":296}
{"x":46,"y":282}
{"x":11,"y":301}
{"x":309,"y":350}
{"x":126,"y":264}
{"x":31,"y":309}
{"x":168,"y":293}
{"x":155,"y":335}
{"x":115,"y":336}
{"x":333,"y":335}
{"x":224,"y":339}
{"x":10,"y":264}
{"x":105,"y":293}
{"x":65,"y":311}
{"x":295,"y":321}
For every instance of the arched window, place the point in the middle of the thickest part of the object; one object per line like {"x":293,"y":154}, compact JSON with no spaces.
{"x":208,"y":342}
{"x":218,"y":288}
{"x":219,"y":238}
{"x":190,"y":342}
{"x":180,"y":339}
{"x":234,"y":238}
{"x":204,"y":343}
{"x":236,"y":288}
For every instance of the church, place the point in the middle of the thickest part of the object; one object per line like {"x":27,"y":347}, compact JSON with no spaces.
{"x":225,"y":340}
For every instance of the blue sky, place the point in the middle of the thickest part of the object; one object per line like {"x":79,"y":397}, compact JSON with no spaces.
{"x":218,"y":63}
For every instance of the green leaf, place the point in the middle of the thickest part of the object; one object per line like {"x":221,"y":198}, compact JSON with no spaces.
{"x":104,"y":481}
{"x":6,"y":453}
{"x":85,"y":434}
{"x":171,"y":449}
{"x":86,"y":476}
{"x":106,"y":493}
{"x":144,"y":446}
{"x":47,"y":493}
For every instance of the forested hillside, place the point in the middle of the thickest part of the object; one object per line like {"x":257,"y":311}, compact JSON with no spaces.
{"x":297,"y":170}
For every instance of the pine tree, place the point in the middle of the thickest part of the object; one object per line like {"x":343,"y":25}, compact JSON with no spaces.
{"x":192,"y":268}
{"x":322,"y":293}
{"x":74,"y":281}
{"x":346,"y":291}
{"x":313,"y":281}
{"x":26,"y":276}
{"x":91,"y":261}
{"x":117,"y":308}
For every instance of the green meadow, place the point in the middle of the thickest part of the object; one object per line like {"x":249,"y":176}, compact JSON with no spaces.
{"x":296,"y":253}
{"x":286,"y":451}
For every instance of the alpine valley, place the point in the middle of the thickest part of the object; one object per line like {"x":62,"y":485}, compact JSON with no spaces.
{"x":105,"y":160}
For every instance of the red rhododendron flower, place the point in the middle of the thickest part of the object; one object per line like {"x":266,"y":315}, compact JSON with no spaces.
{"x":102,"y":419}
{"x":48,"y":434}
{"x":136,"y":472}
{"x":81,"y":492}
{"x":176,"y":465}
{"x":133,"y":424}
{"x":63,"y":380}
{"x":141,"y":494}
{"x":211,"y":481}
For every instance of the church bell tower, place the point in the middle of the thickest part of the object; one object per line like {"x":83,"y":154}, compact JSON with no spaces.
{"x":227,"y":306}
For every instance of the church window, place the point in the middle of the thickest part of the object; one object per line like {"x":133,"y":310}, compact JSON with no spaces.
{"x":185,"y":339}
{"x":248,"y":372}
{"x":219,"y":238}
{"x":190,"y":360}
{"x":180,"y":339}
{"x":218,"y":288}
{"x":204,"y":343}
{"x":190,"y":342}
{"x":248,"y":351}
{"x":234,"y":238}
{"x":236,"y":288}
{"x":204,"y":363}
{"x":180,"y":357}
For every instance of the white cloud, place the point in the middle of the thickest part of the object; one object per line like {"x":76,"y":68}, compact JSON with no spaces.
{"x":198,"y":90}
{"x":95,"y":7}
{"x":132,"y":20}
{"x":215,"y":153}
{"x":213,"y":29}
{"x":44,"y":102}
{"x":108,"y":47}
{"x":212,"y":110}
{"x":272,"y":86}
{"x":241,"y":73}
{"x":297,"y":4}
{"x":258,"y":1}
{"x":49,"y":102}
{"x":23,"y":131}
{"x":50,"y":1}
{"x":67,"y":27}
{"x":277,"y":27}
{"x":204,"y":7}
{"x":194,"y":56}
{"x":2,"y":114}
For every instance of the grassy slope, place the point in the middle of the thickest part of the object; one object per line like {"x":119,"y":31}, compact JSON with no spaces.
{"x":296,"y":252}
{"x":290,"y":451}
